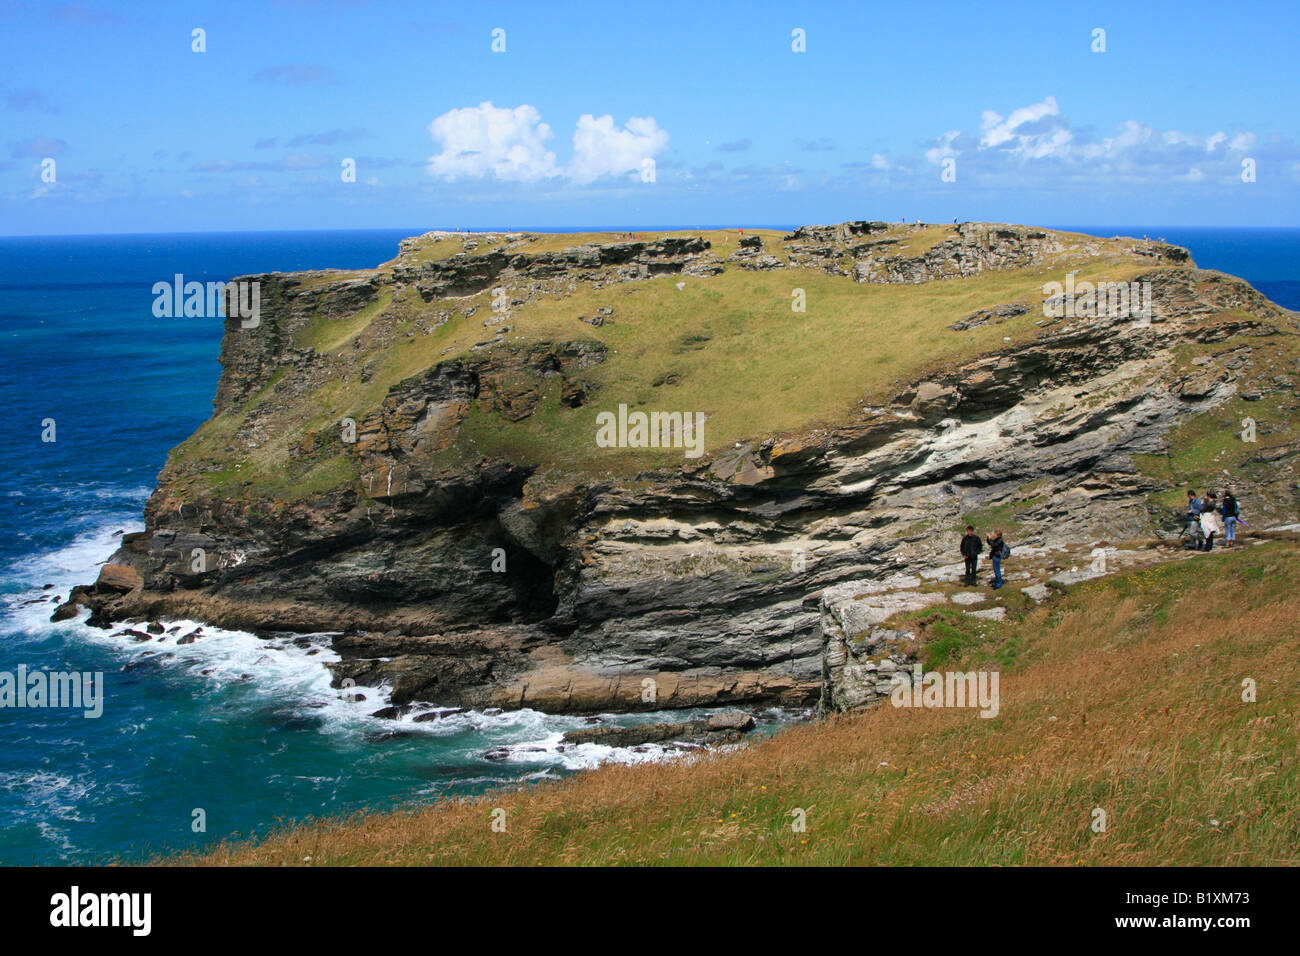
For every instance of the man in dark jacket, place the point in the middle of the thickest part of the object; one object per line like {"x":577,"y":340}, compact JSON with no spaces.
{"x":971,"y":548}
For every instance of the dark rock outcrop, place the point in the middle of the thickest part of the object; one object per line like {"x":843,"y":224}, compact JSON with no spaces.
{"x":725,"y":727}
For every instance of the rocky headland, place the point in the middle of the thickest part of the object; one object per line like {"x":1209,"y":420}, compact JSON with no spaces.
{"x":406,"y":457}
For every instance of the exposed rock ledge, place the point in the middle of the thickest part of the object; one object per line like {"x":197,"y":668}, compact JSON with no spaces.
{"x":861,"y":657}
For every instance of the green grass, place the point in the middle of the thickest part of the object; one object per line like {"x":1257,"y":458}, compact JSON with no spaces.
{"x":1005,"y":517}
{"x":327,"y":336}
{"x":733,"y":349}
{"x":1206,"y":446}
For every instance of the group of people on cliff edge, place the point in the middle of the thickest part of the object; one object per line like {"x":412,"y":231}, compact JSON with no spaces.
{"x":1208,"y":518}
{"x":971,"y":549}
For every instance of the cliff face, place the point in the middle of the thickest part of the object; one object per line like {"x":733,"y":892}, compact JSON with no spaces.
{"x":431,"y":505}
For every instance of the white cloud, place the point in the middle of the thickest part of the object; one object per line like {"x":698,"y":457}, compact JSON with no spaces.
{"x":1007,"y":149}
{"x":478,"y":140}
{"x":511,"y":145}
{"x":1240,"y":142}
{"x":602,"y":149}
{"x":1055,"y":143}
{"x":944,"y":149}
{"x":1131,"y":135}
{"x":996,"y":130}
{"x":1036,"y":131}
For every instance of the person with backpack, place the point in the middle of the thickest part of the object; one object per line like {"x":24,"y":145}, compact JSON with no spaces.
{"x":1231,"y":512}
{"x":998,"y":550}
{"x":971,"y":548}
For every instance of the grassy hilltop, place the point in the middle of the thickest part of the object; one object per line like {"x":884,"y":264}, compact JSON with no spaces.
{"x":727,"y":345}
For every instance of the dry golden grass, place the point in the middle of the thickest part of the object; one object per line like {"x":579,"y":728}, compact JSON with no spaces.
{"x":1128,"y":700}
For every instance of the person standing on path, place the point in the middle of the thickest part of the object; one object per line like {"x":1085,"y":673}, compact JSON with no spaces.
{"x":1210,"y":522}
{"x":971,"y":547}
{"x":1193,"y":514}
{"x":1231,"y":512}
{"x":996,"y":553}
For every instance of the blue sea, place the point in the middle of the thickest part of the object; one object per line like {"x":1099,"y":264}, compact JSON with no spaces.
{"x":241,"y":733}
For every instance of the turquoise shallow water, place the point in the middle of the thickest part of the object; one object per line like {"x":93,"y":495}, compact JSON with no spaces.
{"x":245,"y":730}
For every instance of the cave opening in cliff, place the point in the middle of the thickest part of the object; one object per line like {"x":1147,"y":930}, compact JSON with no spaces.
{"x":533,"y":582}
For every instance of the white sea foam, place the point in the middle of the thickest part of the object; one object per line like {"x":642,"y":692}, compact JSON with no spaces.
{"x":55,"y":795}
{"x":277,"y":669}
{"x":76,"y":563}
{"x":55,"y":835}
{"x":289,"y":671}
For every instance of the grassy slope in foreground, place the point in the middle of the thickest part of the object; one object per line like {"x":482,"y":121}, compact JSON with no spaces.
{"x":1125,"y":695}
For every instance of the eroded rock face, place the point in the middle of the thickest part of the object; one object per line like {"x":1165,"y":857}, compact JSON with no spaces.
{"x":249,"y":361}
{"x":868,"y":252}
{"x":859,"y":656}
{"x":752,"y":256}
{"x":980,"y":247}
{"x":421,"y":417}
{"x":118,"y":579}
{"x":700,"y":586}
{"x":721,"y":728}
{"x":463,"y":274}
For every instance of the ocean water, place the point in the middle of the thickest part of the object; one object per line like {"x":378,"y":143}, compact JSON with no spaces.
{"x":1267,"y":258}
{"x":242,"y":731}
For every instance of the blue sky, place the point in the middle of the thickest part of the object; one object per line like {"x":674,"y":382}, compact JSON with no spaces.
{"x":588,"y":101}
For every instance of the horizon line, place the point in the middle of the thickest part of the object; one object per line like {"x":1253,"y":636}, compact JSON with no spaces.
{"x":561,"y":230}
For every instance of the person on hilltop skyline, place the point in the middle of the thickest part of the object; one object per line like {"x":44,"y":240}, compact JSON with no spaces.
{"x":971,"y":548}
